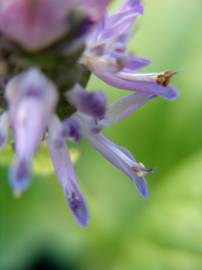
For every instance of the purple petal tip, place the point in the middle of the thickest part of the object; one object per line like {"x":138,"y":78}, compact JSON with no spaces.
{"x":19,"y":176}
{"x":71,"y":129}
{"x":79,"y":210}
{"x":172,"y":93}
{"x":141,"y":186}
{"x":138,"y":6}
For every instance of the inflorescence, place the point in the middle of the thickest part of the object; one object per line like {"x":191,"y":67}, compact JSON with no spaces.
{"x":48,"y":49}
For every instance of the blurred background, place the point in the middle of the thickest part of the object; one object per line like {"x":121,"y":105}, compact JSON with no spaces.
{"x":37,"y":230}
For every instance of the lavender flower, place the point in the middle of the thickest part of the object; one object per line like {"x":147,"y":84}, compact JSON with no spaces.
{"x":48,"y":50}
{"x":107,"y":58}
{"x":92,"y":104}
{"x":35,"y":24}
{"x":65,"y":173}
{"x":32,"y":99}
{"x":118,"y":156}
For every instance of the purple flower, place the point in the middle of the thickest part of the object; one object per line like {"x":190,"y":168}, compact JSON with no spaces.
{"x":107,"y":58}
{"x":118,"y":156}
{"x":95,"y":8}
{"x":71,"y":129}
{"x":122,"y":159}
{"x":90,"y":103}
{"x":65,"y":173}
{"x":34,"y":24}
{"x":143,"y":83}
{"x":49,"y":49}
{"x":124,"y":107}
{"x":19,"y":175}
{"x":32,"y":99}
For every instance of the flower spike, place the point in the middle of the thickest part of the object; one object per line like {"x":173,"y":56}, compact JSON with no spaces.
{"x":48,"y":50}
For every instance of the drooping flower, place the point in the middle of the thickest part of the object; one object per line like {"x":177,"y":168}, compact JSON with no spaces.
{"x":120,"y":157}
{"x":65,"y":172}
{"x":92,"y":103}
{"x":32,"y":99}
{"x":48,"y":49}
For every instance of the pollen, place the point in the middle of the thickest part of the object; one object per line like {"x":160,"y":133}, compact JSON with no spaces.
{"x":140,"y":170}
{"x":164,"y":78}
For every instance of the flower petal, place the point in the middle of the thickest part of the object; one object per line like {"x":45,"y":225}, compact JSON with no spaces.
{"x":66,"y":176}
{"x":71,"y":129}
{"x":32,"y":99}
{"x":30,"y":111}
{"x":35,"y":23}
{"x":132,"y":4}
{"x":95,"y":8}
{"x":124,"y":107}
{"x":90,"y":103}
{"x":118,"y":157}
{"x":120,"y":22}
{"x":135,"y":62}
{"x":147,"y":87}
{"x":19,"y":175}
{"x":119,"y":26}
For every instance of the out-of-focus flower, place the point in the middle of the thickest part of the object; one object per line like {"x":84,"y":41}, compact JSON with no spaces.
{"x":35,"y":23}
{"x":32,"y":99}
{"x":95,"y":8}
{"x":48,"y":50}
{"x":92,"y":104}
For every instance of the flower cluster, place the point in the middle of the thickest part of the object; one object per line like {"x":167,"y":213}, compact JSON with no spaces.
{"x":48,"y":49}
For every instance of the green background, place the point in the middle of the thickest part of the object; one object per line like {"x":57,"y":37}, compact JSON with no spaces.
{"x":125,"y":232}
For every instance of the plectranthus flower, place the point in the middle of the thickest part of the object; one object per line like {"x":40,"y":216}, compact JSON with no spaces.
{"x":107,"y":58}
{"x":29,"y":21}
{"x":48,"y":50}
{"x":91,"y":126}
{"x":65,"y":172}
{"x":32,"y":99}
{"x":36,"y":23}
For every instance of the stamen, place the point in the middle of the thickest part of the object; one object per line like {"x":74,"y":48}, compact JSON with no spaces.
{"x":111,"y":64}
{"x":164,"y":78}
{"x":141,"y":170}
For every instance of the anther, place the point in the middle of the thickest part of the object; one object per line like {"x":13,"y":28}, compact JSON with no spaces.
{"x":164,"y":78}
{"x":141,"y":170}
